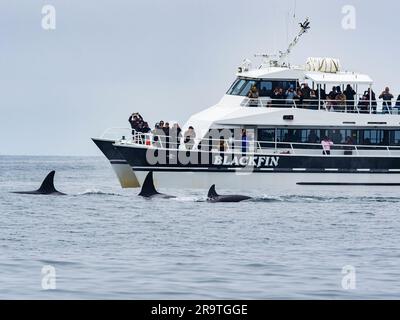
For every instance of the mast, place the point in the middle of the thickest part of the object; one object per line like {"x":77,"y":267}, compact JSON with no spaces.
{"x":278,"y":60}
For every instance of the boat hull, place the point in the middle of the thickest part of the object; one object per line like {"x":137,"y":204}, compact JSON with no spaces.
{"x":266,"y":181}
{"x":274,"y":170}
{"x":122,"y":169}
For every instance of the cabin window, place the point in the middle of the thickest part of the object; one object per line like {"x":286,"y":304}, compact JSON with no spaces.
{"x":247,"y":88}
{"x":233,"y":86}
{"x":237,"y":87}
{"x":394,"y":137}
{"x":265,"y":88}
{"x":284,"y":136}
{"x":372,"y":137}
{"x":266,"y":137}
{"x":241,"y":87}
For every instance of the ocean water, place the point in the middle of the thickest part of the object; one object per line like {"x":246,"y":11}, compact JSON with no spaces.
{"x":105,"y":242}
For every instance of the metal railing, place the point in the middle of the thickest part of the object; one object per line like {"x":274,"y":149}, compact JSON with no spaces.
{"x":346,"y":106}
{"x":232,"y":146}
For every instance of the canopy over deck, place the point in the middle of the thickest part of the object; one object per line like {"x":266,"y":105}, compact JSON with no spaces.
{"x":339,"y":78}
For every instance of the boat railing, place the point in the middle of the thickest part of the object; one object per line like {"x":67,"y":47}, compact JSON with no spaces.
{"x":232,"y":146}
{"x":118,"y":133}
{"x":344,"y":106}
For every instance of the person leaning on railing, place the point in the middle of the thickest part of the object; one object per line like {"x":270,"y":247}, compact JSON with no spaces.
{"x":387,"y":100}
{"x":326,"y":146}
{"x":157,"y":130}
{"x":189,"y":137}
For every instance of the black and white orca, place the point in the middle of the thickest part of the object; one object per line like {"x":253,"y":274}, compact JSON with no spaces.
{"x":47,"y":187}
{"x":149,"y":191}
{"x":214,"y":197}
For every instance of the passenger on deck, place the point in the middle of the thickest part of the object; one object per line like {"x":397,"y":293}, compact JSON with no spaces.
{"x":340,"y":100}
{"x":146,"y":128}
{"x":277,"y":97}
{"x":244,"y":141}
{"x":350,"y":94}
{"x":166,"y":130}
{"x":321,"y":93}
{"x":156,"y":132}
{"x":253,"y":95}
{"x":135,"y":119}
{"x":387,"y":100}
{"x":290,"y":95}
{"x":331,"y":100}
{"x":189,"y":137}
{"x":223,"y":146}
{"x":373,"y":98}
{"x":306,"y":91}
{"x":348,"y":150}
{"x":313,"y":100}
{"x":299,"y":98}
{"x":326,"y":146}
{"x":333,"y":93}
{"x":176,"y":134}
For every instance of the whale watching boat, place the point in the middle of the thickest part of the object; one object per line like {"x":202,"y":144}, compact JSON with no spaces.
{"x":276,"y":125}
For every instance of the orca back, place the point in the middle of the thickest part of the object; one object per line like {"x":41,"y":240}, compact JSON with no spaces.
{"x":213,"y":196}
{"x":212,"y":193}
{"x":148,"y":189}
{"x":46,"y":188}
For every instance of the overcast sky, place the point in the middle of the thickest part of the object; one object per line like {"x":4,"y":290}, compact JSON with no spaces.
{"x":166,"y":59}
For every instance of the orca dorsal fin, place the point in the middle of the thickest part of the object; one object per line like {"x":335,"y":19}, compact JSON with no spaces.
{"x":47,"y":186}
{"x":148,"y":188}
{"x":212,"y":193}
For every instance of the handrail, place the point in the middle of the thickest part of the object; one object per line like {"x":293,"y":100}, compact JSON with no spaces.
{"x":141,"y":138}
{"x":346,"y":106}
{"x":167,"y":142}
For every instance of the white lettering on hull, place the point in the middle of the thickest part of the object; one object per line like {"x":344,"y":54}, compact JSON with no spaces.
{"x":250,"y":161}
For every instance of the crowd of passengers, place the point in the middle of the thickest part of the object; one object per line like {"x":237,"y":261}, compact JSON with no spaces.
{"x":335,"y":100}
{"x":171,"y":137}
{"x":163,"y":135}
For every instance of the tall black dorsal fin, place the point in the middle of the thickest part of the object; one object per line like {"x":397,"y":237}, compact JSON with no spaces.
{"x":212,"y":193}
{"x":148,"y":188}
{"x":47,"y":186}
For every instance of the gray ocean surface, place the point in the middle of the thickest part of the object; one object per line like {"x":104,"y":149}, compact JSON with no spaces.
{"x":105,"y":242}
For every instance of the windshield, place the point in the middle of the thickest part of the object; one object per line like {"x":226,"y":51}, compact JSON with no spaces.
{"x":242,"y":87}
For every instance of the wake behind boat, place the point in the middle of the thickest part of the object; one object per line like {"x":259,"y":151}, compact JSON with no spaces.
{"x":278,"y":124}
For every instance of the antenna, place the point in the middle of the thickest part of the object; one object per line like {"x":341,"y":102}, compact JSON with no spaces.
{"x":305,"y":26}
{"x":278,"y":59}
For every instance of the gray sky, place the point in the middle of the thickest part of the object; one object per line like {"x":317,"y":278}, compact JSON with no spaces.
{"x":166,"y":59}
